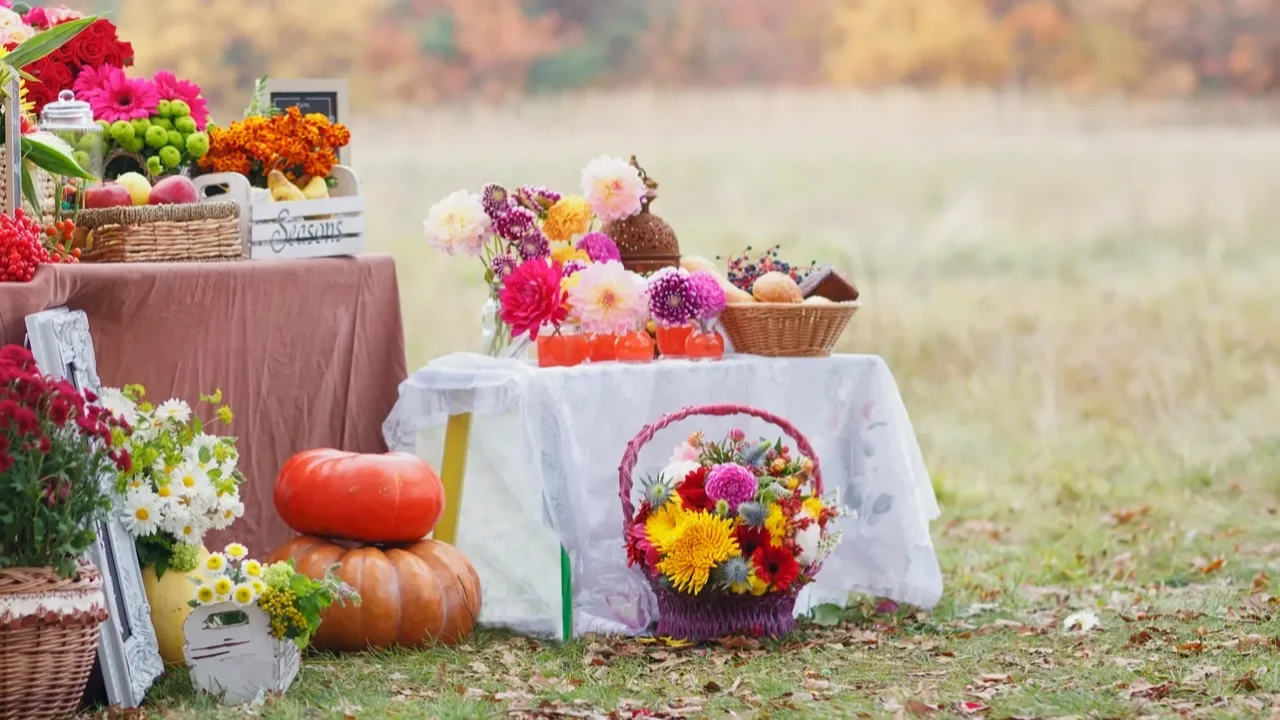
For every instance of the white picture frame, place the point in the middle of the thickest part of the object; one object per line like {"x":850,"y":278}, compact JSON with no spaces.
{"x":127,"y":647}
{"x":327,"y":96}
{"x":13,"y":163}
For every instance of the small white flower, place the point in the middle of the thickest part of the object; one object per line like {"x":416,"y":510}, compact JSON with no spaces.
{"x":243,"y":595}
{"x":175,"y":411}
{"x":114,"y":400}
{"x":183,"y":524}
{"x":228,"y":510}
{"x":676,"y":472}
{"x":1081,"y":622}
{"x":190,"y":481}
{"x":141,"y":514}
{"x":809,"y":540}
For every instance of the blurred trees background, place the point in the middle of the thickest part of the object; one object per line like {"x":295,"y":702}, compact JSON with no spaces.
{"x":433,"y":51}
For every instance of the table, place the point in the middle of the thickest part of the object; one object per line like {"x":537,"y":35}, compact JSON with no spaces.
{"x":308,"y":353}
{"x":539,"y":515}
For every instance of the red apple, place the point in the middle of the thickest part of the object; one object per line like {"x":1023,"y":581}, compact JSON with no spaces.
{"x":174,"y":190}
{"x":107,"y":196}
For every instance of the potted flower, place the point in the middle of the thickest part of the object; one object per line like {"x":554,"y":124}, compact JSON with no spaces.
{"x":182,"y":484}
{"x":56,"y":447}
{"x":250,"y":622}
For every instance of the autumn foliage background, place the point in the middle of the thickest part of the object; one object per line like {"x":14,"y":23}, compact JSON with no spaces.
{"x":433,"y":51}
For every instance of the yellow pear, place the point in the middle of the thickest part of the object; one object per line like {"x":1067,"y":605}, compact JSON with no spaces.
{"x":317,"y":189}
{"x":281,"y":189}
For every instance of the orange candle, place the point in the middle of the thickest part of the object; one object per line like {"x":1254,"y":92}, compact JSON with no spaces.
{"x":671,"y":340}
{"x":634,"y":347}
{"x":603,"y":347}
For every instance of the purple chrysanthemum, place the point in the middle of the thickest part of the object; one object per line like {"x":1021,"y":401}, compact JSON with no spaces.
{"x":570,"y":267}
{"x":515,"y":224}
{"x":534,"y":246}
{"x":503,"y":265}
{"x":708,"y":296}
{"x":732,"y":483}
{"x":496,"y":200}
{"x":670,"y":301}
{"x":599,"y":247}
{"x":537,"y":199}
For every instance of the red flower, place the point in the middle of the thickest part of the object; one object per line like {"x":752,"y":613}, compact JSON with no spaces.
{"x":26,"y":420}
{"x":776,"y":566}
{"x":60,"y":77}
{"x":93,"y":49}
{"x":693,"y":491}
{"x":46,"y":445}
{"x":121,"y":55}
{"x":101,"y":29}
{"x":751,"y":539}
{"x":531,"y":298}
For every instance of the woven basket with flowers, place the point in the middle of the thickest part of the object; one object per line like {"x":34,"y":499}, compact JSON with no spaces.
{"x":730,"y":531}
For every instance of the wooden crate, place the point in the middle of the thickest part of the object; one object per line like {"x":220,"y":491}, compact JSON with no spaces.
{"x":300,"y":229}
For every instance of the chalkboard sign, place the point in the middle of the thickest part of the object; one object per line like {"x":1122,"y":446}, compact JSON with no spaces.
{"x":326,"y":97}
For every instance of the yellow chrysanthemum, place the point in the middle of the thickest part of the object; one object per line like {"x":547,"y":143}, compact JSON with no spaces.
{"x":204,"y":595}
{"x":565,"y":251}
{"x":776,"y":523}
{"x":222,"y":586}
{"x":568,"y":217}
{"x":253,"y":568}
{"x":758,"y":586}
{"x":662,"y":524}
{"x":236,"y":551}
{"x":701,"y":541}
{"x":813,"y":505}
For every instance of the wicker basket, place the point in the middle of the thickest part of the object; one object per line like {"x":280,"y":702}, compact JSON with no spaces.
{"x":43,"y":183}
{"x":786,"y":330}
{"x":706,"y":617}
{"x":48,"y":640}
{"x":157,"y":233}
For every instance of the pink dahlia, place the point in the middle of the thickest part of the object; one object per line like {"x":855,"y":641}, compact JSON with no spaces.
{"x":708,"y":296}
{"x":599,"y":247}
{"x":124,"y":98}
{"x":532,"y":297}
{"x":170,"y":87}
{"x":732,"y":483}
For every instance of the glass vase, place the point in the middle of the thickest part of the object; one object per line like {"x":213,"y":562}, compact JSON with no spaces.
{"x":634,"y":347}
{"x":704,"y":345}
{"x":562,"y":348}
{"x":603,"y":347}
{"x":672,"y":339}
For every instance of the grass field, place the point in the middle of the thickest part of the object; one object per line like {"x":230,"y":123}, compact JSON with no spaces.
{"x":1082,"y":307}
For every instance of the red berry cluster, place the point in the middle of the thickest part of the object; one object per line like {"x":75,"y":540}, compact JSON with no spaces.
{"x":60,"y":234}
{"x":744,"y":269}
{"x":21,"y":249}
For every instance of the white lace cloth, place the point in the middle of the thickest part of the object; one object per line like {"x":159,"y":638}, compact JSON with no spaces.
{"x":543,"y":472}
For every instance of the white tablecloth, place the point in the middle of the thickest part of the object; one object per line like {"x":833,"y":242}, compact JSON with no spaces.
{"x":543,"y":466}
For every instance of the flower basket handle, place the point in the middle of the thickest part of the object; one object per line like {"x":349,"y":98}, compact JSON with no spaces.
{"x":646,"y":434}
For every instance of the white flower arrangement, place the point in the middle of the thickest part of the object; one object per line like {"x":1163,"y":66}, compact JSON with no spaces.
{"x":182,"y":482}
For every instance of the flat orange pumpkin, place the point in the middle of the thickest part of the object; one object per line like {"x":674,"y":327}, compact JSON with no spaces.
{"x":368,"y":498}
{"x":410,"y":596}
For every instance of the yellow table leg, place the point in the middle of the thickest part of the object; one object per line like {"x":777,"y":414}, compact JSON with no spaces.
{"x":453,"y":467}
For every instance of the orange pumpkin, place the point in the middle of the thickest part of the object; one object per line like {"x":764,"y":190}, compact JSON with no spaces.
{"x":389,"y":498}
{"x":410,"y":595}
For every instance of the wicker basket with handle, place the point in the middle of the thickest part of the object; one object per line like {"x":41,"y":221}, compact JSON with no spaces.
{"x":706,"y":617}
{"x":785,"y":329}
{"x":48,"y":640}
{"x":158,"y":233}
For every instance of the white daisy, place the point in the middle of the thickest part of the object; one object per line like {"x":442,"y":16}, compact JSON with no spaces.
{"x":174,"y":410}
{"x":114,"y":400}
{"x":229,"y":509}
{"x":190,"y":481}
{"x":183,"y":524}
{"x":243,"y":595}
{"x":141,"y":514}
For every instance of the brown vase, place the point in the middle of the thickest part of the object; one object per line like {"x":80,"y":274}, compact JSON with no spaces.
{"x":646,"y":242}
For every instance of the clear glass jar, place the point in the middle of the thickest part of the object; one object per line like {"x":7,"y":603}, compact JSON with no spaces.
{"x":72,"y":122}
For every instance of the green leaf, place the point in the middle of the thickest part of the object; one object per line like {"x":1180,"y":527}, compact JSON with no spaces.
{"x":197,"y":426}
{"x":51,"y":154}
{"x":29,"y":189}
{"x":46,"y":42}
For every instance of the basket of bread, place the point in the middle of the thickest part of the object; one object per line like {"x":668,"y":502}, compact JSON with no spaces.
{"x":778,"y":310}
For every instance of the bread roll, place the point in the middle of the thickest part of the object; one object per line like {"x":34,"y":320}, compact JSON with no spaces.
{"x":774,"y":287}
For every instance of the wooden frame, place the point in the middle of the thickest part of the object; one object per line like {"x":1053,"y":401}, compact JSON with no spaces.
{"x":313,"y":96}
{"x":127,"y":649}
{"x":13,"y":159}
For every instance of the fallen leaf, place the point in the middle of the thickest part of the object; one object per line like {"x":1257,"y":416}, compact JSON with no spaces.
{"x":1191,"y":648}
{"x":915,"y":707}
{"x":1142,"y":637}
{"x":1212,"y":566}
{"x":479,"y":667}
{"x":1261,"y":583}
{"x":994,"y":679}
{"x":1246,"y":683}
{"x":1147,"y":691}
{"x":1124,"y":516}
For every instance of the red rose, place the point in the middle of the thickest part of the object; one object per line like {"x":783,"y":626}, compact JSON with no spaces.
{"x":60,"y":77}
{"x":102,"y":29}
{"x":122,"y":55}
{"x":92,"y":50}
{"x":66,"y":53}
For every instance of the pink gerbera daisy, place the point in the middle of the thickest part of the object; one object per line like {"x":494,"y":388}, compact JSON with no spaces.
{"x":90,"y":81}
{"x":171,"y":88}
{"x":124,"y":98}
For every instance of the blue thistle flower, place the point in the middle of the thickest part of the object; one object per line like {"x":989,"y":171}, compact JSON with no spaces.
{"x":734,"y":571}
{"x":754,"y":454}
{"x":657,"y":490}
{"x":752,"y":514}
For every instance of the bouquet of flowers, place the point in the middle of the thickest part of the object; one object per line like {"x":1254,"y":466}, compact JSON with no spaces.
{"x":182,"y":482}
{"x":96,"y":47}
{"x":56,"y":444}
{"x":290,"y":599}
{"x":732,"y":524}
{"x":534,"y":244}
{"x":298,"y":145}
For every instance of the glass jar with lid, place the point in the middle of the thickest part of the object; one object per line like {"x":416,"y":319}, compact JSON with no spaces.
{"x":71,"y":121}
